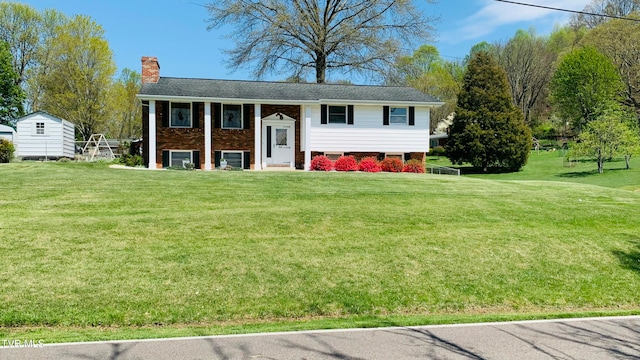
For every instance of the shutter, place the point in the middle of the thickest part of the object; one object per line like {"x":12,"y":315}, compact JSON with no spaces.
{"x":198,"y":114}
{"x":407,"y":156}
{"x":412,"y":116}
{"x":246,"y":116}
{"x":165,"y":113}
{"x":350,"y":115}
{"x":165,"y":158}
{"x":269,"y":141}
{"x":216,"y":158}
{"x":217,"y":116}
{"x":385,"y":115}
{"x":247,"y":160}
{"x":196,"y":159}
{"x":323,"y":114}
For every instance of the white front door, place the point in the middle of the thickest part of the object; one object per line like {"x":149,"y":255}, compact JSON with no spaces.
{"x":279,"y":143}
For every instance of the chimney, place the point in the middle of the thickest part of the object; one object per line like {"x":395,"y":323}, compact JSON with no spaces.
{"x":150,"y":69}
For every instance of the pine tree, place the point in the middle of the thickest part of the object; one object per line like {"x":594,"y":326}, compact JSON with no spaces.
{"x":488,"y":131}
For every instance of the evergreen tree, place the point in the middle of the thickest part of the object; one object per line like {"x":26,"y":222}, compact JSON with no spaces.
{"x":488,"y":131}
{"x":11,"y":95}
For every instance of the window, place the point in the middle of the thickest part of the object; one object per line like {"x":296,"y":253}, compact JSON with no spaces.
{"x":181,"y":115}
{"x":337,"y":114}
{"x":333,"y":156}
{"x":234,"y":159}
{"x":395,"y":156}
{"x":398,"y":115}
{"x":39,"y":128}
{"x":232,"y":116}
{"x":281,"y":137}
{"x":179,"y":158}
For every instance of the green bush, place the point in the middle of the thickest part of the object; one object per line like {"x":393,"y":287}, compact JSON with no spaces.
{"x":131,"y":160}
{"x":437,"y":151}
{"x":6,"y":150}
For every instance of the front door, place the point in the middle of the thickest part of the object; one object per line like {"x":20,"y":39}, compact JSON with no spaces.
{"x":279,"y":143}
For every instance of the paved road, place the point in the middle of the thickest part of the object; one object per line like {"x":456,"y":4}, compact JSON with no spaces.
{"x":601,"y":338}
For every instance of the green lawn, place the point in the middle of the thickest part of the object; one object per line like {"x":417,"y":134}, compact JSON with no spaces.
{"x":89,"y":252}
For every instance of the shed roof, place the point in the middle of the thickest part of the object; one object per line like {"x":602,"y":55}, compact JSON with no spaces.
{"x":281,"y":91}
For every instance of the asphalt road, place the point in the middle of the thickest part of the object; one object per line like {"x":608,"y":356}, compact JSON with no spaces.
{"x":600,"y":338}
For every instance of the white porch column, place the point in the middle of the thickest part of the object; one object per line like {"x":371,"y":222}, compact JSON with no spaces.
{"x":207,"y":136}
{"x":151,"y":139}
{"x":307,"y":137}
{"x":258,"y":137}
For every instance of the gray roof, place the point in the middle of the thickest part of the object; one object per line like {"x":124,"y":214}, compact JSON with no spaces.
{"x":274,"y":91}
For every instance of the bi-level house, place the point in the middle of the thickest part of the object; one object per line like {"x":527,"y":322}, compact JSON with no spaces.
{"x":257,"y":125}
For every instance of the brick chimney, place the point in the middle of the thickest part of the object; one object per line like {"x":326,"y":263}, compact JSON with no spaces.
{"x":150,"y":69}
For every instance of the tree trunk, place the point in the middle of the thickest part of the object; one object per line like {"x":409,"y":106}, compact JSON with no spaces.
{"x":600,"y":166}
{"x":321,"y":67}
{"x":626,"y":160}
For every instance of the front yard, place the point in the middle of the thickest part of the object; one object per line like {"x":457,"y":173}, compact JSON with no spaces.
{"x":90,"y":252}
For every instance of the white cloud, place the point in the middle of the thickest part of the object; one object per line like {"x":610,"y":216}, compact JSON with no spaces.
{"x":493,"y":15}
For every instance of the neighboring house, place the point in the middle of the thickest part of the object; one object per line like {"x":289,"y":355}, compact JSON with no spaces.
{"x":44,"y":136}
{"x":439,"y":139}
{"x":7,"y":132}
{"x":254,"y":125}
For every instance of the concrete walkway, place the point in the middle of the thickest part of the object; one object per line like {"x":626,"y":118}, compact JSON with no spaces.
{"x":598,"y":338}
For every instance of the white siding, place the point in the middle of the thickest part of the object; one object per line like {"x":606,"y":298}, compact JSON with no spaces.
{"x":368,"y":134}
{"x":7,"y":132}
{"x":57,"y":140}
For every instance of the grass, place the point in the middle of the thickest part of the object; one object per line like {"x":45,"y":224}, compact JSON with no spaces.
{"x":90,"y":252}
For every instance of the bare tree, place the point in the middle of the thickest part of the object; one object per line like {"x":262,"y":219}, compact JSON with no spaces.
{"x":615,"y":8}
{"x":362,"y":36}
{"x":528,"y":61}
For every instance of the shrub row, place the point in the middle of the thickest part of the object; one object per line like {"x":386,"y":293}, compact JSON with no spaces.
{"x":368,"y":164}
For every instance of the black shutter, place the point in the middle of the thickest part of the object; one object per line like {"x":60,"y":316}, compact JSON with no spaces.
{"x":412,"y":116}
{"x":407,"y":156}
{"x":385,"y":115}
{"x":197,"y":109}
{"x":196,"y":159}
{"x":165,"y":113}
{"x":165,"y":158}
{"x":350,"y":115}
{"x":323,"y":114}
{"x":216,"y":158}
{"x":247,"y":160}
{"x":217,"y":116}
{"x":246,"y":114}
{"x":269,"y":141}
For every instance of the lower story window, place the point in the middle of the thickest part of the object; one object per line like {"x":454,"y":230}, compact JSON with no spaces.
{"x":180,"y":158}
{"x":233,"y":158}
{"x":333,"y":156}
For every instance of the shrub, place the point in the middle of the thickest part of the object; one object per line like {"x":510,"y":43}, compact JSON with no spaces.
{"x":321,"y":163}
{"x":131,"y":160}
{"x":346,"y":163}
{"x":437,"y":151}
{"x":369,"y":164}
{"x":6,"y":150}
{"x":391,"y":165}
{"x":414,"y":166}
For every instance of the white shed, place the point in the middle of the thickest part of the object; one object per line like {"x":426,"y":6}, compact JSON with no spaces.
{"x":7,"y":132}
{"x":41,"y":135}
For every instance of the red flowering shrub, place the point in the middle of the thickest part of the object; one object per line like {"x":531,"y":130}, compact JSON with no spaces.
{"x":414,"y":166}
{"x":369,"y":164}
{"x":391,"y":165}
{"x":346,"y":163}
{"x":321,"y":163}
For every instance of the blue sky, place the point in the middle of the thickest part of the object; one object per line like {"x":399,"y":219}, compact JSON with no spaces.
{"x":176,"y":30}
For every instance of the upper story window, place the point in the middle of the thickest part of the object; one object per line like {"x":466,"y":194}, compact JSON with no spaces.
{"x":398,"y":115}
{"x":181,"y":115}
{"x":337,"y":114}
{"x":39,"y":128}
{"x":232,"y":116}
